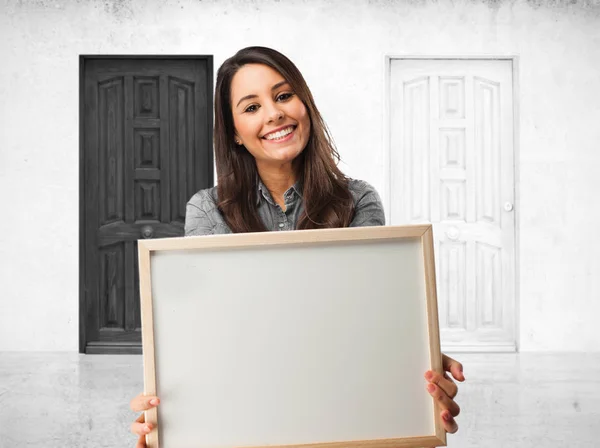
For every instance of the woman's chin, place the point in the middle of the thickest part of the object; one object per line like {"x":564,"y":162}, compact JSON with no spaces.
{"x":284,"y":154}
{"x":276,"y":161}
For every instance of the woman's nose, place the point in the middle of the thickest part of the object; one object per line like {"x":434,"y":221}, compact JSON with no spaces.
{"x":274,"y":113}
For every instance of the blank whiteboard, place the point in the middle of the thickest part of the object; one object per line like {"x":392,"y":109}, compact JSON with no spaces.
{"x":302,"y":338}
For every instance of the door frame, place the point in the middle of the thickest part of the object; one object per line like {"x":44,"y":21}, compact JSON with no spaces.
{"x":387,"y":153}
{"x":83,"y":59}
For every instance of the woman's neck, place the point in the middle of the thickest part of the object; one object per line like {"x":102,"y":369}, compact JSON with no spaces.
{"x":278,"y":180}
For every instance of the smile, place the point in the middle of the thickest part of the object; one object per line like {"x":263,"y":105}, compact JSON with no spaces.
{"x":280,"y":135}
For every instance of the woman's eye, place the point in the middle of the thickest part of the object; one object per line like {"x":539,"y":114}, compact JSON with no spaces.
{"x":284,"y":96}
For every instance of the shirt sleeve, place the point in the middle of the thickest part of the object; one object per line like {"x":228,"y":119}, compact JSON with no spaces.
{"x":197,"y":220}
{"x":368,"y":208}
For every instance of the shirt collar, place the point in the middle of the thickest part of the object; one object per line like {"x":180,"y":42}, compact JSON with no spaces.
{"x":263,"y":191}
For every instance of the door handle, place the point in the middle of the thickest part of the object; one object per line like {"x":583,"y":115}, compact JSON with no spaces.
{"x":452,"y":233}
{"x":147,"y":232}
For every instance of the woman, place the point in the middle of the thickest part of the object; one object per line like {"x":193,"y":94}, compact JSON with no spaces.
{"x":276,"y":169}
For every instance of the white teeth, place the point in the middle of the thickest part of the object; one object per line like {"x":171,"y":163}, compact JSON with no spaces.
{"x":280,"y":134}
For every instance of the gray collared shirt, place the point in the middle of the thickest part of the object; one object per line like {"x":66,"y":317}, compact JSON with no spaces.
{"x":202,"y":216}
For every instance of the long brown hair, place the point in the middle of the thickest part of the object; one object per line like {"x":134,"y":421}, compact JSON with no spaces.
{"x":327,"y":199}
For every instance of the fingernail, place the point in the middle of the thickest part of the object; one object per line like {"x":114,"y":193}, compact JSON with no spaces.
{"x":147,"y":428}
{"x":154,"y":402}
{"x":430,"y":387}
{"x":446,"y":416}
{"x":428,"y":375}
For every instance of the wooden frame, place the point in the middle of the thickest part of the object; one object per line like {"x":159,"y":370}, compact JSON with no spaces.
{"x":393,"y":255}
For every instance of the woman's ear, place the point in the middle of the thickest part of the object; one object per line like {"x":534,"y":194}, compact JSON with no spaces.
{"x":238,"y":140}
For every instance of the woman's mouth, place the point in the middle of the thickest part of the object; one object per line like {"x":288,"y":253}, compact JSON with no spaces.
{"x":280,"y":136}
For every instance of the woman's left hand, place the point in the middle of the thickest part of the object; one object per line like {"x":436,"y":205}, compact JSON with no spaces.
{"x":443,"y":389}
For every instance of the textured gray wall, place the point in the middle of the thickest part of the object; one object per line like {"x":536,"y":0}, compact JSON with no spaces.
{"x":340,"y":47}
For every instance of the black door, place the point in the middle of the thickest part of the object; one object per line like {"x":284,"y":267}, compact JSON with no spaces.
{"x":146,"y":148}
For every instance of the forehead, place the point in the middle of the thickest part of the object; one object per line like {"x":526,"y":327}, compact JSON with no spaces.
{"x":252,"y":79}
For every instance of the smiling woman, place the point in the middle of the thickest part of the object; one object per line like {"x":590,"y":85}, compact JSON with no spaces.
{"x":276,"y":163}
{"x":277,"y":170}
{"x":272,"y":125}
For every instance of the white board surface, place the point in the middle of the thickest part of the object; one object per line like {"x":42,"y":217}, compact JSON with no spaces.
{"x":299,"y":344}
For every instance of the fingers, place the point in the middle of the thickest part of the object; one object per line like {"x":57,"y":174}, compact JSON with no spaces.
{"x":141,"y":443}
{"x":443,"y":390}
{"x":443,"y":382}
{"x":144,"y":402}
{"x":454,"y":367}
{"x":446,"y":403}
{"x":449,"y":423}
{"x":141,"y":428}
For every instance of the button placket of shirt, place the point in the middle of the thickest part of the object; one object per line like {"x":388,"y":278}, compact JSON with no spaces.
{"x":288,"y":198}
{"x":283,"y":221}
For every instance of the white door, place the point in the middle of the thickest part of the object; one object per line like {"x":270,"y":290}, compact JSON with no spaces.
{"x":452,"y":165}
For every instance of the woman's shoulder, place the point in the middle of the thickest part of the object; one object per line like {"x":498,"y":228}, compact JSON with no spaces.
{"x":360,"y":189}
{"x":205,"y":200}
{"x":368,"y":208}
{"x":202,"y":215}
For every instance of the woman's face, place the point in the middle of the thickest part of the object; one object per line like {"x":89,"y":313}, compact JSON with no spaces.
{"x":269,"y":118}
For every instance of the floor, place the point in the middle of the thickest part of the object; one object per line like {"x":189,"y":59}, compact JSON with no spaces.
{"x":509,"y":400}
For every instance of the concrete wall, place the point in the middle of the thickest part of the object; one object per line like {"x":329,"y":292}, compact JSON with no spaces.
{"x":340,"y":48}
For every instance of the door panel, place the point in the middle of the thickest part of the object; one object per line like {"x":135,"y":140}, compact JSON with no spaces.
{"x":146,"y":149}
{"x":453,"y":166}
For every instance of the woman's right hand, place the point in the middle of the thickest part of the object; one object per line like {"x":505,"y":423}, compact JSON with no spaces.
{"x":139,"y":426}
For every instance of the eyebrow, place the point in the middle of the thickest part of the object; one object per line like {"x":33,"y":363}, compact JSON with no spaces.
{"x":275,"y":87}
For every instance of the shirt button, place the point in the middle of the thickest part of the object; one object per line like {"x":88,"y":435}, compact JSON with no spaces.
{"x":281,"y":225}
